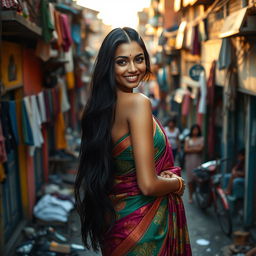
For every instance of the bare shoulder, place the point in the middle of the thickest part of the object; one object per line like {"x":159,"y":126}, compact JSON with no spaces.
{"x":138,"y":101}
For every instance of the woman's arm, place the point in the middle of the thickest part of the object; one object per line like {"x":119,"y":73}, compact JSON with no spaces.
{"x":141,"y":128}
{"x":193,"y":149}
{"x":187,"y":148}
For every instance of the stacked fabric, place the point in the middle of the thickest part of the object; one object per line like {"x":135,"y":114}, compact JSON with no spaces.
{"x":51,"y":208}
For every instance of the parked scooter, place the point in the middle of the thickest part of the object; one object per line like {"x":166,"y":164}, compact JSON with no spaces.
{"x":47,"y":242}
{"x":208,"y":191}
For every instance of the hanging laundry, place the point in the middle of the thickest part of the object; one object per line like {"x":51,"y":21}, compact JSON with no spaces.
{"x":72,"y":112}
{"x":60,"y":139}
{"x":65,"y":30}
{"x":203,"y":28}
{"x":56,"y":101}
{"x":10,"y":141}
{"x":3,"y":155}
{"x":11,"y":5}
{"x":225,"y":55}
{"x":196,"y":45}
{"x":211,"y":85}
{"x":65,"y":106}
{"x":70,"y":77}
{"x":69,"y":67}
{"x":59,"y":41}
{"x":52,"y":18}
{"x":186,"y":103}
{"x":47,"y":106}
{"x":41,"y":104}
{"x":35,"y":122}
{"x":76,"y":36}
{"x":189,"y":37}
{"x":51,"y":106}
{"x":211,"y":108}
{"x":47,"y":26}
{"x":26,"y":127}
{"x":203,"y":93}
{"x":13,"y":119}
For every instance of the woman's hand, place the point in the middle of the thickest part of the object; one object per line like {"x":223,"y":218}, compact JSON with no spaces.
{"x":180,"y":192}
{"x":168,"y":174}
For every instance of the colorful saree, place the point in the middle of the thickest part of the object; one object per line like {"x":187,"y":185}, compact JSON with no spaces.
{"x":145,"y":225}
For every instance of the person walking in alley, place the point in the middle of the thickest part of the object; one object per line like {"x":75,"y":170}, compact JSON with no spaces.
{"x":194,"y":145}
{"x":172,"y":132}
{"x":128,"y":193}
{"x":234,"y":181}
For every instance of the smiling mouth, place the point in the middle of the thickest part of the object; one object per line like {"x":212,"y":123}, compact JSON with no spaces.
{"x":133,"y":78}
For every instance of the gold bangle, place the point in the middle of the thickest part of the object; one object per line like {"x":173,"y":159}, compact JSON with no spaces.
{"x":180,"y":185}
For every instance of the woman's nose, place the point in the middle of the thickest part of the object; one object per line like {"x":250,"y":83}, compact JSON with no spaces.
{"x":132,"y":67}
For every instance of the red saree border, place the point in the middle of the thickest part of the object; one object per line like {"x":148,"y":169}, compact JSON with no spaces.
{"x":139,"y":231}
{"x":122,"y":145}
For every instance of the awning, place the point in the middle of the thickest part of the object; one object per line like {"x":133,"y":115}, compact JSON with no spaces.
{"x":180,"y":35}
{"x":241,"y":22}
{"x":186,"y":3}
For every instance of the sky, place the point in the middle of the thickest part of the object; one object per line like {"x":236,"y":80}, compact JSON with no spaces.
{"x":117,"y":13}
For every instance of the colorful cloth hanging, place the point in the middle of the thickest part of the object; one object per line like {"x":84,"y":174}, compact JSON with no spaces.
{"x":66,"y":33}
{"x":13,"y":120}
{"x":10,"y":141}
{"x":11,"y":4}
{"x":26,"y":127}
{"x":41,"y":104}
{"x":47,"y":26}
{"x":3,"y":155}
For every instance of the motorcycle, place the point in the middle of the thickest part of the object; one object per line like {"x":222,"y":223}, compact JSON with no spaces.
{"x":208,"y":192}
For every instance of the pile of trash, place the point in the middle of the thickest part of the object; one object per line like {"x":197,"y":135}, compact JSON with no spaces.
{"x":242,"y":245}
{"x":51,"y":232}
{"x":55,"y":205}
{"x":47,"y":241}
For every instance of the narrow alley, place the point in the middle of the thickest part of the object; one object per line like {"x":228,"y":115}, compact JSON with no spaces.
{"x":82,"y":83}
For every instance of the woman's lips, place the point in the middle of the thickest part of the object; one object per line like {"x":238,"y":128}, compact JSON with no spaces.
{"x":132,"y":78}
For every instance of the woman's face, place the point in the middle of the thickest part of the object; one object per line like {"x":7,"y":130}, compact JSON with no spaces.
{"x":195,"y":132}
{"x":130,"y":65}
{"x":171,"y":124}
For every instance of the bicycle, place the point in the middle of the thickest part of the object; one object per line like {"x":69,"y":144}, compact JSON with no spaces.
{"x":208,"y":191}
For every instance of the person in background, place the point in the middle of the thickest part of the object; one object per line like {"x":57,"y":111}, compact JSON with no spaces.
{"x":154,"y":103}
{"x":172,"y":132}
{"x":194,"y":146}
{"x":235,"y":180}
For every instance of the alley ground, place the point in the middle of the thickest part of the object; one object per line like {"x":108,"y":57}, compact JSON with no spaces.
{"x":202,"y":225}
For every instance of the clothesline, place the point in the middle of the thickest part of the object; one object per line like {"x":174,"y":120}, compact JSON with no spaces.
{"x":36,"y":110}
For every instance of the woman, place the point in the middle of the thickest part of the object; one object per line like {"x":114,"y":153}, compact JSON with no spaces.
{"x":194,"y":145}
{"x":172,"y":132}
{"x":127,"y":190}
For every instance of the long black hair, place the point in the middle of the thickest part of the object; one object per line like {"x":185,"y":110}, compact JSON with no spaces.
{"x":95,"y":172}
{"x":195,"y":126}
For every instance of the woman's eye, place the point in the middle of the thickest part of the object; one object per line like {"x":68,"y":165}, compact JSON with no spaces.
{"x":139,"y":59}
{"x":121,"y":62}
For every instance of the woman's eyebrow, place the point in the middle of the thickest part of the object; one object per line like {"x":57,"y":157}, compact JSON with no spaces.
{"x":123,"y":57}
{"x":139,"y":54}
{"x":126,"y":57}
